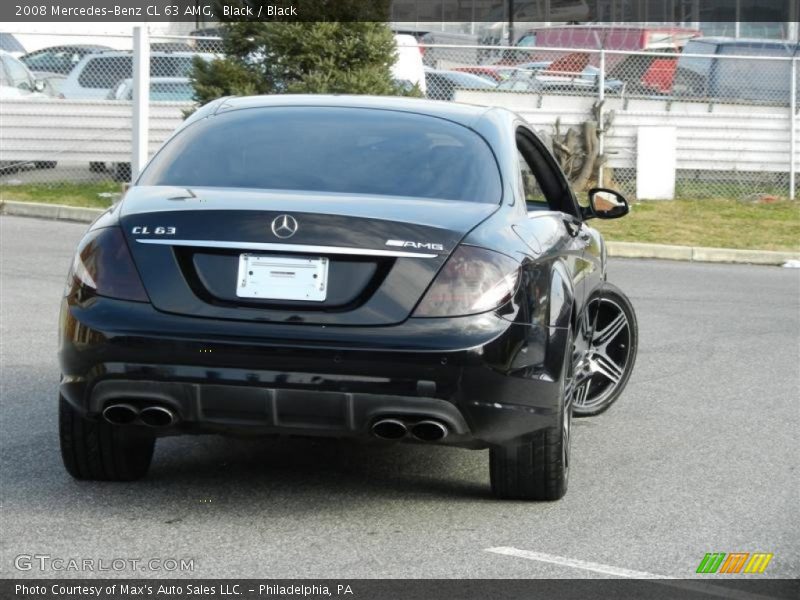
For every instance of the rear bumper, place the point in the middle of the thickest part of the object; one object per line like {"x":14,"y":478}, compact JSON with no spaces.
{"x":490,"y":380}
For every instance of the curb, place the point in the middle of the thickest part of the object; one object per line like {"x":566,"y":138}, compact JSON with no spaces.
{"x":62,"y":212}
{"x":699,"y":254}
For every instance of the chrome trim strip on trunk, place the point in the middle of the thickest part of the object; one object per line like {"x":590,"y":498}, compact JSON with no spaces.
{"x":274,"y":247}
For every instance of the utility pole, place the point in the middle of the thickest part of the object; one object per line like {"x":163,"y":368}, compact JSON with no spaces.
{"x":141,"y":100}
{"x":510,"y":22}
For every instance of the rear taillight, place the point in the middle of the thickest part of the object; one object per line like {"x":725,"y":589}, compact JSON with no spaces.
{"x":103,"y":264}
{"x":473,"y":280}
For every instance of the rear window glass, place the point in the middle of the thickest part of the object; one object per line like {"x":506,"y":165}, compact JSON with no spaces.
{"x":326,"y":149}
{"x":103,"y":72}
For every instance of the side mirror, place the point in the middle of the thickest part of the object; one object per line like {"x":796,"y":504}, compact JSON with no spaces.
{"x":39,"y":85}
{"x":606,"y":204}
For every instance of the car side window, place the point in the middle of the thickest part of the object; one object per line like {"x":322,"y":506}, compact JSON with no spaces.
{"x":103,"y":72}
{"x":534,"y":196}
{"x":542,"y":183}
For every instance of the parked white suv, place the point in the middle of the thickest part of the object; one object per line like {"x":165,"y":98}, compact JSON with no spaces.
{"x":16,"y":81}
{"x":408,"y":69}
{"x":96,"y":74}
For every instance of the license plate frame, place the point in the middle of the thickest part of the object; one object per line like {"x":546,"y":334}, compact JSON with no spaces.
{"x":282,"y":278}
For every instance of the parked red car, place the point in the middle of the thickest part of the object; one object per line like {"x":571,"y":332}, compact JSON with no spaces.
{"x":643,"y":73}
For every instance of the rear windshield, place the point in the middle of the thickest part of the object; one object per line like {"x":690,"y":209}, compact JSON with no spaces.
{"x":347,"y":150}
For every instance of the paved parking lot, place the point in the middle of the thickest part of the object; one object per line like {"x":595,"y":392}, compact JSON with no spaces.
{"x":699,"y":455}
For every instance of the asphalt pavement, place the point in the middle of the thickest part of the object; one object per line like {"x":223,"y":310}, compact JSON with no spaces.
{"x":699,"y":455}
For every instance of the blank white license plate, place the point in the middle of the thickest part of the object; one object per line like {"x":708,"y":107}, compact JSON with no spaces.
{"x":282,"y":278}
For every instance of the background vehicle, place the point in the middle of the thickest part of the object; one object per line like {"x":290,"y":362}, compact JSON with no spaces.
{"x":608,"y":37}
{"x":491,"y":73}
{"x":442,"y":85}
{"x":60,"y":59}
{"x":428,"y":280}
{"x":16,"y":81}
{"x":10,"y":44}
{"x":644,"y":74}
{"x":52,"y":83}
{"x":95,"y":74}
{"x":162,"y":89}
{"x":731,"y":78}
{"x":571,"y":73}
{"x":407,"y":69}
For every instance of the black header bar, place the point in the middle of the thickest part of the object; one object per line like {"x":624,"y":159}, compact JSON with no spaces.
{"x":417,"y":11}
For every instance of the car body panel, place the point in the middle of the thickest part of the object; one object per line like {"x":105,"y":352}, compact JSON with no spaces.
{"x":342,"y":227}
{"x":492,"y":377}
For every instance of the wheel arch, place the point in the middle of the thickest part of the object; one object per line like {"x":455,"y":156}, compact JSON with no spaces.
{"x":562,"y":318}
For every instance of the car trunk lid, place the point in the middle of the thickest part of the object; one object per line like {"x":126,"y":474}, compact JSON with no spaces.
{"x":379,"y":253}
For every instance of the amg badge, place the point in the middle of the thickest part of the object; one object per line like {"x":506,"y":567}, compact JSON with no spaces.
{"x":418,"y":245}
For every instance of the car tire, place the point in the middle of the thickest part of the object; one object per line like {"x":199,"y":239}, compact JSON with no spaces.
{"x":97,"y":167}
{"x":537,"y":468}
{"x":45,"y":164}
{"x":596,"y":398}
{"x":100,"y":451}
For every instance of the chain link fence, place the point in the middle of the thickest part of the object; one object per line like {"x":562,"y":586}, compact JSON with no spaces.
{"x":734,"y":109}
{"x":67,"y":116}
{"x":67,"y":113}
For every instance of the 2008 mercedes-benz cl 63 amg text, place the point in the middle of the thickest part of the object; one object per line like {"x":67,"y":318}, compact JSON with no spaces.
{"x":375,"y":268}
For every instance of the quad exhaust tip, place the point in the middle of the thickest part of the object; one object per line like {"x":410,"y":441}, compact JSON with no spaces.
{"x":157,"y":416}
{"x":127,"y":414}
{"x":389,"y":429}
{"x":429,"y":431}
{"x":426,"y":430}
{"x":120,"y":414}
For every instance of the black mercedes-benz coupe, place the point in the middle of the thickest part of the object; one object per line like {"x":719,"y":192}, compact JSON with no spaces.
{"x":356,"y":267}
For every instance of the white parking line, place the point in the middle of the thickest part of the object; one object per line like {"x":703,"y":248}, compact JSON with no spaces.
{"x":699,"y":587}
{"x":575,"y":563}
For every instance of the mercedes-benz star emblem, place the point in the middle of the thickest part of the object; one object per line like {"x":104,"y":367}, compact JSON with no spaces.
{"x":284,"y":226}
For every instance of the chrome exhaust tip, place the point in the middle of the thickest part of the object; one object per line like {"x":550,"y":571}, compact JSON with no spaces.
{"x":120,"y":414}
{"x":157,"y":416}
{"x":429,"y":431}
{"x":389,"y":429}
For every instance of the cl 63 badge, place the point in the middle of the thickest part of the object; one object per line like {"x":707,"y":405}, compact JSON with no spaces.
{"x":145,"y":230}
